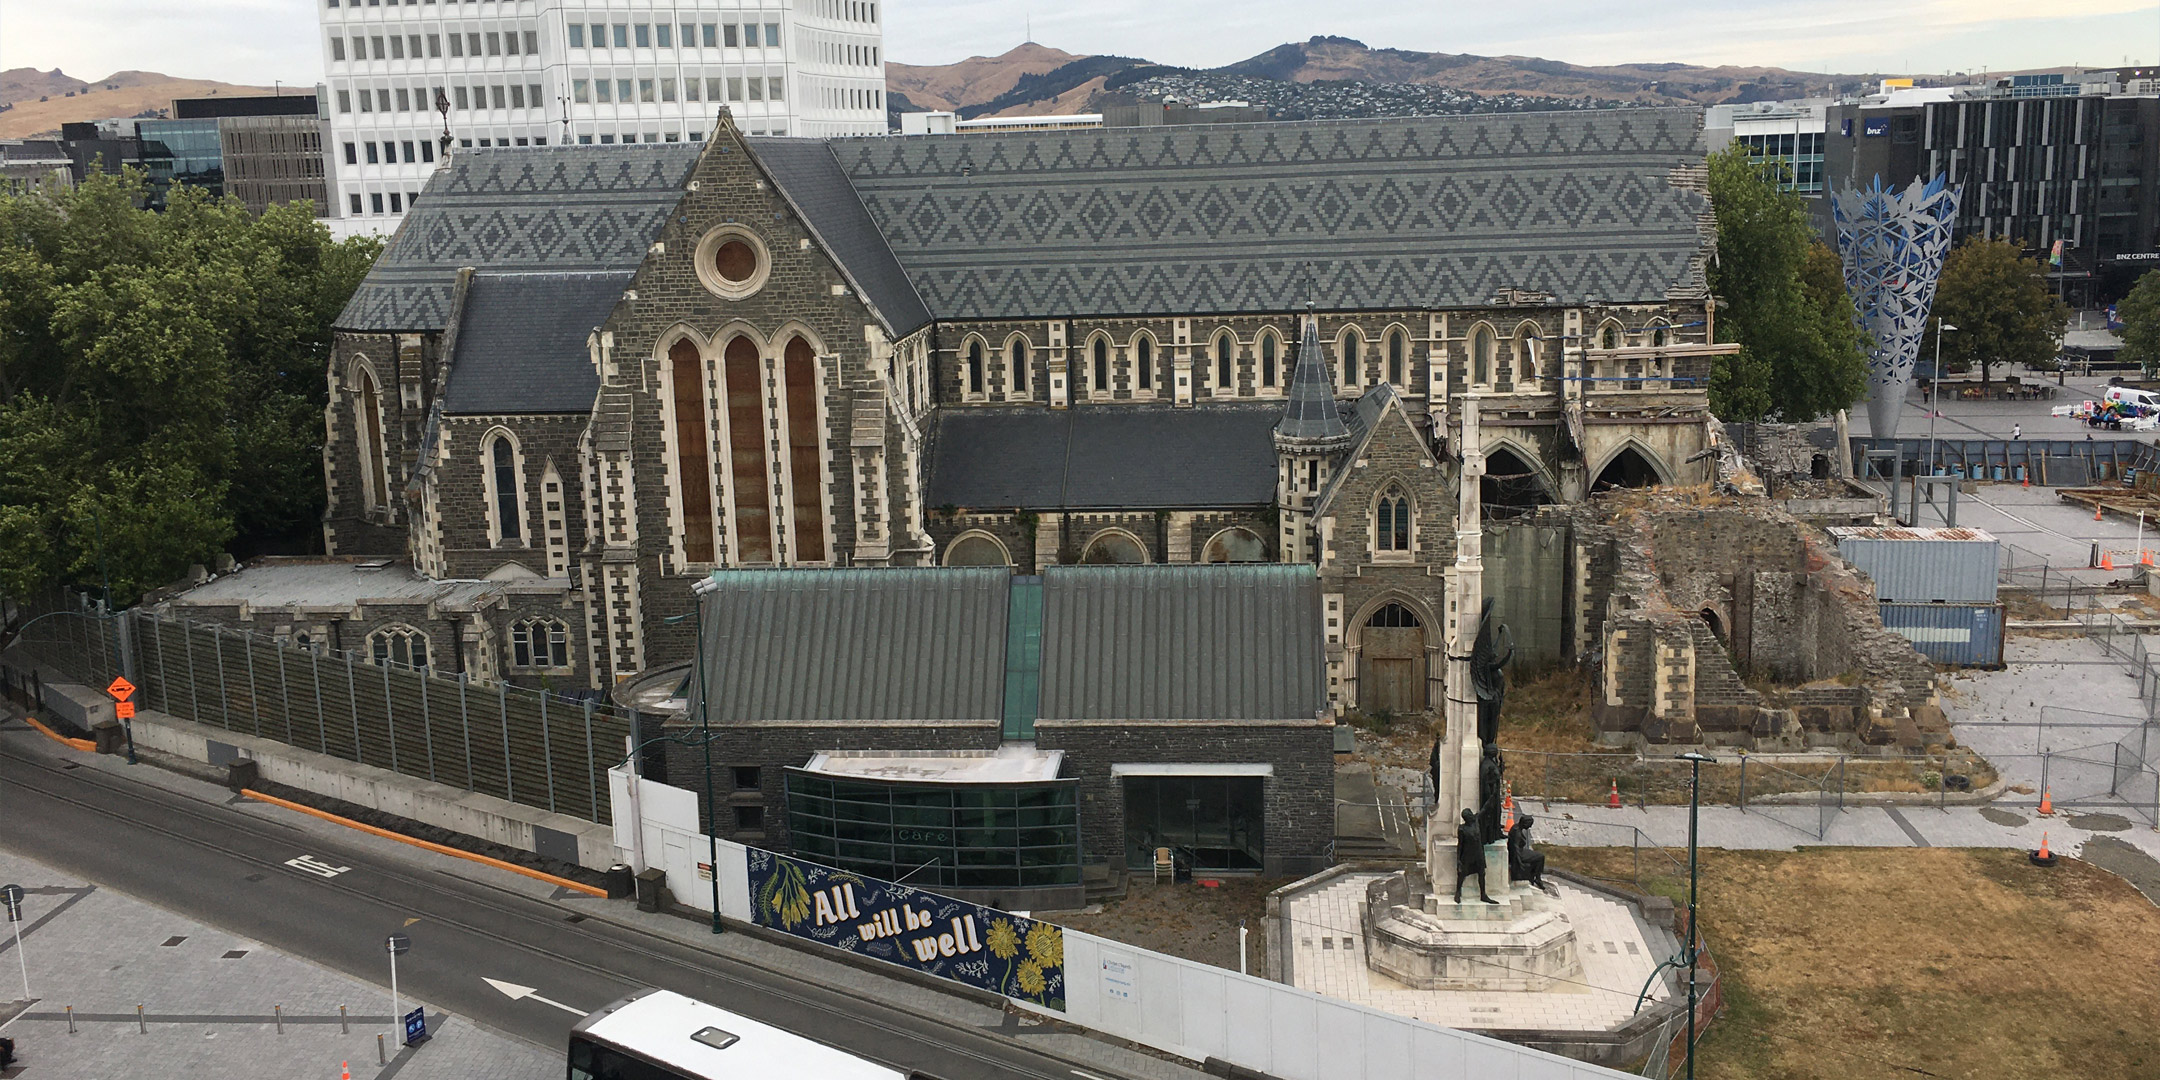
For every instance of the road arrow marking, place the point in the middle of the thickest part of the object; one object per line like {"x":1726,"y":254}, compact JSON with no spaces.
{"x":520,"y":993}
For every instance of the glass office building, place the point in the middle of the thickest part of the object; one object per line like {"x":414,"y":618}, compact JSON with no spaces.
{"x":182,"y":152}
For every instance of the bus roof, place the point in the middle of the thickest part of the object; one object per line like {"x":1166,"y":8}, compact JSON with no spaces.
{"x":658,"y":1024}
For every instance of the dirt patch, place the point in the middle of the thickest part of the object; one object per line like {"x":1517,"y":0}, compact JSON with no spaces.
{"x":2002,"y":817}
{"x":2099,"y":822}
{"x":2142,"y":871}
{"x":1858,"y":963}
{"x":1189,"y":920}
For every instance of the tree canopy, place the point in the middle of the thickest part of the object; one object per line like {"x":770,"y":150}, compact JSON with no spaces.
{"x":2000,"y":304}
{"x":1784,"y":301}
{"x":161,"y":380}
{"x":2139,"y":314}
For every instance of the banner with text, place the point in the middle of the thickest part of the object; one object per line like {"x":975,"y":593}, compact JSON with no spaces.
{"x":952,"y":939}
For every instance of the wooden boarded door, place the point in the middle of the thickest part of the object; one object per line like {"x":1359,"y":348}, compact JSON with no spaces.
{"x":1392,"y":669}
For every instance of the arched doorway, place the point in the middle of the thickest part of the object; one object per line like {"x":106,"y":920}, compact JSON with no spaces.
{"x":1511,"y":482}
{"x":1391,"y":661}
{"x":1629,"y":469}
{"x":1710,"y":619}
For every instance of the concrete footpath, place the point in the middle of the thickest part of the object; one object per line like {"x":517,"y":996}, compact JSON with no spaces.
{"x":209,"y":1001}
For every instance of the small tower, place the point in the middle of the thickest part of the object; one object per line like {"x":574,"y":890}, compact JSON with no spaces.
{"x":1310,"y":433}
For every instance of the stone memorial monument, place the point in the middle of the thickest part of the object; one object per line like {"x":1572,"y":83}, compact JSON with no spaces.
{"x":1512,"y":935}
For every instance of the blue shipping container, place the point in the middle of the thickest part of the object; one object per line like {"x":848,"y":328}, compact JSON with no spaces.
{"x":1960,"y":635}
{"x":1957,"y":566}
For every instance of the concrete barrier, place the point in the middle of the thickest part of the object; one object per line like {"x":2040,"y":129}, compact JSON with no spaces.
{"x":79,"y":705}
{"x":557,"y":836}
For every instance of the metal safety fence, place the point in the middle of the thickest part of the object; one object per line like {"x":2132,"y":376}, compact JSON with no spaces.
{"x":1807,"y":796}
{"x":535,"y":747}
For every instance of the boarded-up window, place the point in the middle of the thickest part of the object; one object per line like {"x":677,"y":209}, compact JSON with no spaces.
{"x":746,"y":447}
{"x":806,"y":473}
{"x":693,"y":461}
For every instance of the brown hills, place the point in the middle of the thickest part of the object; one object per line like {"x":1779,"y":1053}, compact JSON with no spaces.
{"x":38,"y":102}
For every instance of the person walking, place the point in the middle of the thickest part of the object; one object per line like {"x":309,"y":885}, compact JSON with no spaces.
{"x":2017,"y":431}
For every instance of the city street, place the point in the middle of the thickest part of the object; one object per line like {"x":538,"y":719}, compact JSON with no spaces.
{"x":247,"y":876}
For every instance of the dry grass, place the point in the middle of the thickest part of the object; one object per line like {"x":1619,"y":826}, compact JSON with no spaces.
{"x":1857,"y":964}
{"x":1189,"y":920}
{"x":1550,"y":712}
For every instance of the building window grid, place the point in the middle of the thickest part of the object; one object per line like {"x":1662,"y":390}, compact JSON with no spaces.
{"x":959,"y":837}
{"x":540,"y":643}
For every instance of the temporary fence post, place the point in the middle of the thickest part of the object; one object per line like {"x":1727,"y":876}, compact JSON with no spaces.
{"x":592,"y":776}
{"x":1743,"y":783}
{"x":547,"y":752}
{"x":164,"y":691}
{"x":1545,"y":766}
{"x":247,"y":649}
{"x":284,"y":695}
{"x":427,"y":728}
{"x":187,"y":646}
{"x":352,"y":699}
{"x":217,"y":649}
{"x":389,"y":715}
{"x":465,"y":723}
{"x":322,"y":722}
{"x":502,"y":706}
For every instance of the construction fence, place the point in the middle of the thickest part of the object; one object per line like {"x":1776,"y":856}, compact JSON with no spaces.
{"x":1807,"y":794}
{"x":535,"y":747}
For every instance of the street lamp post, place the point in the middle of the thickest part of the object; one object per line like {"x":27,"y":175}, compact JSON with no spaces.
{"x":1935,"y":377}
{"x":1695,"y":763}
{"x":697,"y":693}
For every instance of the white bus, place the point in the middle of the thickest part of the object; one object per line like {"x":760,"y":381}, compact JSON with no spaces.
{"x":661,"y":1035}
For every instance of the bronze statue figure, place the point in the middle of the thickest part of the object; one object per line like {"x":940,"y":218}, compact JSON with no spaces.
{"x":1433,"y":769}
{"x":1525,"y":863}
{"x":1470,"y":857}
{"x":1489,"y":773}
{"x":1486,"y":677}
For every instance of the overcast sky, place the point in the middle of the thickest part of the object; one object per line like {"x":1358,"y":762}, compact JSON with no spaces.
{"x":258,"y":41}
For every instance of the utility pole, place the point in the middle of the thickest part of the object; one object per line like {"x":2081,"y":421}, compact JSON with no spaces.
{"x":1695,"y":762}
{"x":1936,"y":395}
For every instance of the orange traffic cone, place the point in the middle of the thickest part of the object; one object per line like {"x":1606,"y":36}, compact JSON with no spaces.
{"x":1613,"y":800}
{"x":344,"y":1070}
{"x":2145,"y":557}
{"x":1507,"y":805}
{"x":2096,"y":511}
{"x":2047,"y":804}
{"x":2107,"y":560}
{"x":2042,"y":857}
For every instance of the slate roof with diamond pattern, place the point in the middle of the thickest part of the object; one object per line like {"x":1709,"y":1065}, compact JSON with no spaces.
{"x":544,"y":208}
{"x":1389,"y":213}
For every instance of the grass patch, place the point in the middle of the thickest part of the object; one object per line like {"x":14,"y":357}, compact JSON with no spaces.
{"x":1859,"y":963}
{"x":1550,"y":711}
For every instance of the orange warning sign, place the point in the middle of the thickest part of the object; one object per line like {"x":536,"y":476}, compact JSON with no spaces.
{"x":120,"y":688}
{"x":125,"y":710}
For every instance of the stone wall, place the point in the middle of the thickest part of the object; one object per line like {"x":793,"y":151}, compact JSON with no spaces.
{"x":1704,"y":590}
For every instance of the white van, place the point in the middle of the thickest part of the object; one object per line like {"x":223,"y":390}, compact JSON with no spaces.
{"x":2132,"y":396}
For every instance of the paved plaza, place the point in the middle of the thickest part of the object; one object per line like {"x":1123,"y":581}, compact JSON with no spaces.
{"x":209,"y":1002}
{"x":1328,"y":956}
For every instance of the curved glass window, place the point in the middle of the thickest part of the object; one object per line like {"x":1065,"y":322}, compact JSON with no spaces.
{"x":962,"y":836}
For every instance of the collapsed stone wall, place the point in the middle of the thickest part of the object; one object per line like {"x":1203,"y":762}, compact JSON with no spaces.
{"x":1706,"y":591}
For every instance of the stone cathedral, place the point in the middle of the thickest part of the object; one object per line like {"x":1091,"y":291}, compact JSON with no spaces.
{"x":592,"y":375}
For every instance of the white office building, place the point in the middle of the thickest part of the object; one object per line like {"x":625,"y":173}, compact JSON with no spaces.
{"x":534,"y":72}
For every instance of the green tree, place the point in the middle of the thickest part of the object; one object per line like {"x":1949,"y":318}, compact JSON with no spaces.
{"x":1782,"y":299}
{"x":2000,"y":304}
{"x":2140,"y":315}
{"x":161,"y":380}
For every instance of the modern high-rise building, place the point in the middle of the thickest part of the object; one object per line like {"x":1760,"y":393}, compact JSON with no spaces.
{"x":401,"y":77}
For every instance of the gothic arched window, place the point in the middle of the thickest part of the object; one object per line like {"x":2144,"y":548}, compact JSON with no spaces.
{"x":975,"y":367}
{"x":1481,"y":356}
{"x":1101,"y":385}
{"x":1144,"y":360}
{"x":1349,"y":355}
{"x":806,"y":467}
{"x":1391,"y":522}
{"x":1225,"y":349}
{"x":1526,"y":345}
{"x":540,"y":643}
{"x":503,"y":484}
{"x":398,"y":644}
{"x":693,"y":458}
{"x":1268,"y":361}
{"x":1397,"y":362}
{"x":1016,"y":360}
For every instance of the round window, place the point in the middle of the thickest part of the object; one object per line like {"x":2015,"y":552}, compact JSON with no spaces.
{"x":735,"y":262}
{"x":732,"y":262}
